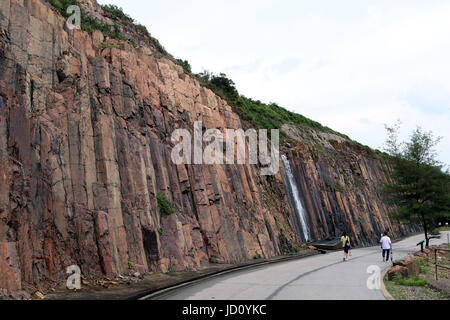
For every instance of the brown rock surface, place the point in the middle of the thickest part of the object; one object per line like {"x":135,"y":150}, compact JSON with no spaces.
{"x":397,"y":270}
{"x":85,"y":148}
{"x":411,"y":266}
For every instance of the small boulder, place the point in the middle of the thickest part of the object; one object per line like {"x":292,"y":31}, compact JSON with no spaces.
{"x":138,"y":268}
{"x":38,"y":295}
{"x":397,"y":270}
{"x":410,"y":264}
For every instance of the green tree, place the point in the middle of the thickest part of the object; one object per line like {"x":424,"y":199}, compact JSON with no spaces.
{"x":420,"y":190}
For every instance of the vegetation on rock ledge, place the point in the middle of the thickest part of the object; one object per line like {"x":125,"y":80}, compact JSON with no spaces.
{"x":166,"y":208}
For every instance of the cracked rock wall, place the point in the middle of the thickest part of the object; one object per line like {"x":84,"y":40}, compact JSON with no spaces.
{"x":85,"y":148}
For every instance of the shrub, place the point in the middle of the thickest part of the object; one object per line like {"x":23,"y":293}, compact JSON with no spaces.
{"x":62,"y":5}
{"x":185,"y":65}
{"x":90,"y":24}
{"x":116,"y":12}
{"x":265,"y":116}
{"x":142,"y":28}
{"x":166,"y":208}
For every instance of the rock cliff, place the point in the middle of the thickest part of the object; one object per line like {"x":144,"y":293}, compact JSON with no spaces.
{"x":85,"y":127}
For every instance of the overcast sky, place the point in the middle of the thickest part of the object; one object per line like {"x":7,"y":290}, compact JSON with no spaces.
{"x":352,"y":65}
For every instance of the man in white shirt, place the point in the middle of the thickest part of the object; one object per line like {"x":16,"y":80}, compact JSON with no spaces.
{"x":386,"y":245}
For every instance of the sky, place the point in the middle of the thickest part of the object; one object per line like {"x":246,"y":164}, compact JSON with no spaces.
{"x":352,"y":65}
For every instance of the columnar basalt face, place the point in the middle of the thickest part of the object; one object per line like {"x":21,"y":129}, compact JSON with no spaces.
{"x":341,"y":186}
{"x":85,"y":148}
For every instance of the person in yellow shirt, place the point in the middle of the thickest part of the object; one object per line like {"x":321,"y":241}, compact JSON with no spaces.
{"x":345,"y":239}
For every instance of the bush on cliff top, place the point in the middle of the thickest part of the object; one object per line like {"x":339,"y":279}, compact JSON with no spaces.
{"x":262,"y":115}
{"x":116,"y":12}
{"x":90,"y":24}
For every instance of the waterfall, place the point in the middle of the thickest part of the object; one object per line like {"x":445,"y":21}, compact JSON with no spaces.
{"x":295,"y":196}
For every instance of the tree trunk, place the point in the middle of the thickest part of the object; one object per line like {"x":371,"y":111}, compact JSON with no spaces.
{"x":425,"y":229}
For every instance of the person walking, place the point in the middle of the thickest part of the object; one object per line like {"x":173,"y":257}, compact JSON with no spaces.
{"x":386,"y":246}
{"x":345,"y":239}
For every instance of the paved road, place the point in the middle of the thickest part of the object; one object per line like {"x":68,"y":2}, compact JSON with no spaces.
{"x":322,"y":277}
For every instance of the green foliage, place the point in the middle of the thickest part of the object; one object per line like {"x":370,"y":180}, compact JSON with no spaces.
{"x":166,"y":208}
{"x":160,"y":231}
{"x":185,"y":65}
{"x":142,"y":28}
{"x":90,"y":24}
{"x":62,"y":5}
{"x":423,"y":265}
{"x":420,"y":189}
{"x":106,"y":45}
{"x":116,"y":12}
{"x":410,"y":282}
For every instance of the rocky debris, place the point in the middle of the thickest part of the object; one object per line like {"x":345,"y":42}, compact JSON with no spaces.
{"x":104,"y":282}
{"x":14,"y":295}
{"x":429,"y":252}
{"x":408,"y":266}
{"x":138,"y":268}
{"x":442,"y":285}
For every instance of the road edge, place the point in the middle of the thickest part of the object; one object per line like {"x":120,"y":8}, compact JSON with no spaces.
{"x":155,"y":293}
{"x":383,"y":289}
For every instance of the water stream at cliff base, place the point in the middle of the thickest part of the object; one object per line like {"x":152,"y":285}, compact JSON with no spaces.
{"x":295,"y":196}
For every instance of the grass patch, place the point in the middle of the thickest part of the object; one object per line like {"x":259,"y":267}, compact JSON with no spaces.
{"x":106,"y":45}
{"x":403,"y":292}
{"x":423,"y":265}
{"x":410,"y":282}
